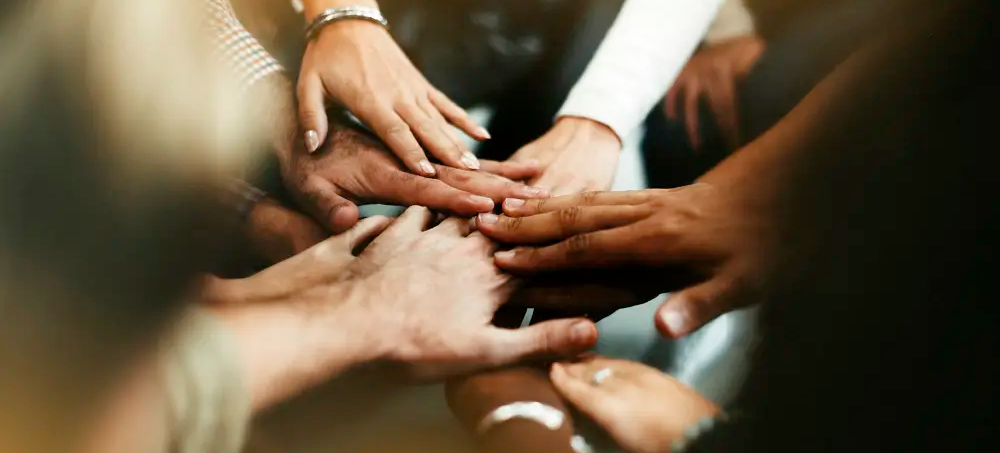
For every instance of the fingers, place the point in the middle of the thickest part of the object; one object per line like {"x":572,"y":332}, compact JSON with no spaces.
{"x":692,"y":97}
{"x":521,"y":208}
{"x":490,"y":186}
{"x":396,"y":134}
{"x":722,"y":101}
{"x":603,"y":248}
{"x":513,"y":170}
{"x":590,"y":399}
{"x":468,"y":159}
{"x":327,"y":206}
{"x":410,"y":223}
{"x":432,"y":134}
{"x":557,"y":225}
{"x":312,"y":111}
{"x":454,"y":226}
{"x":407,"y":189}
{"x":366,"y":230}
{"x":556,"y":338}
{"x":670,"y":101}
{"x":457,"y":115}
{"x":687,"y":310}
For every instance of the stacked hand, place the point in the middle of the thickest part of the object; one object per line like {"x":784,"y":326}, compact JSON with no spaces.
{"x":353,"y":168}
{"x":576,"y":155}
{"x":696,"y":237}
{"x":420,"y":295}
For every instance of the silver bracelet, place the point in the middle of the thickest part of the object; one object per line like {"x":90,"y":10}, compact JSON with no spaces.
{"x":332,"y":15}
{"x":543,"y":414}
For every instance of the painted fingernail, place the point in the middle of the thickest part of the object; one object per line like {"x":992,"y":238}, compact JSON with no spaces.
{"x":470,"y":161}
{"x":312,"y":141}
{"x":426,"y":167}
{"x":513,"y":203}
{"x":675,"y":321}
{"x":505,"y":255}
{"x":488,"y":219}
{"x":582,"y":333}
{"x":486,"y":203}
{"x":482,"y":132}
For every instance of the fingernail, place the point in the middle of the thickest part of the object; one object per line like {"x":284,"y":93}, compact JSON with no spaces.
{"x":486,"y":203}
{"x":426,"y":167}
{"x":470,"y":161}
{"x":312,"y":141}
{"x":505,"y":255}
{"x":674,"y":320}
{"x":513,"y":203}
{"x":582,"y":333}
{"x":488,"y":219}
{"x":534,"y":192}
{"x":482,"y":132}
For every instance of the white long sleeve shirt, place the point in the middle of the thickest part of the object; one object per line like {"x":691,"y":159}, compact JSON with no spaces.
{"x":643,"y":52}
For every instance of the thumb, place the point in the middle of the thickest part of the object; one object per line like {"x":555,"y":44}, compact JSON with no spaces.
{"x":556,"y":338}
{"x":312,"y":112}
{"x":687,"y":310}
{"x":327,"y":206}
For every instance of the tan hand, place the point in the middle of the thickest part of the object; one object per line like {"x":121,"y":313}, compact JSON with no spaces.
{"x":359,"y":65}
{"x":643,"y":409}
{"x":713,"y":73}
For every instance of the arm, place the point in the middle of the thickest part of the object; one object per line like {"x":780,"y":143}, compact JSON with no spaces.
{"x":646,"y":48}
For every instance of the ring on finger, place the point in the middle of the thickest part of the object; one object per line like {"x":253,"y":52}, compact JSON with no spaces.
{"x":600,"y":376}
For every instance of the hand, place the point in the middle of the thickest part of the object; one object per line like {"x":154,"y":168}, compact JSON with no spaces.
{"x":358,"y":64}
{"x":431,"y":296}
{"x":643,"y":409}
{"x":576,"y":155}
{"x":276,"y":233}
{"x":355,"y":168}
{"x":589,"y":292}
{"x":713,"y":73}
{"x":700,"y":235}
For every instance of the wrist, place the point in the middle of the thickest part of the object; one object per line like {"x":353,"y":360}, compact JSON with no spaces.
{"x":592,"y":132}
{"x":312,"y":8}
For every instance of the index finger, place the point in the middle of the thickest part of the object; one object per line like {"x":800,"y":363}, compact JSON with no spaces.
{"x":398,"y":136}
{"x":521,"y":208}
{"x":407,"y":189}
{"x":604,"y":248}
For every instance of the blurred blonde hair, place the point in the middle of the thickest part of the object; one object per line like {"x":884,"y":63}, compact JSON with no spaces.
{"x":114,"y":122}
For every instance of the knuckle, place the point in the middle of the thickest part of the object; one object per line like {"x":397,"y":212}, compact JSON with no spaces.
{"x":589,"y":198}
{"x":578,"y":245}
{"x":514,"y":223}
{"x":396,"y":127}
{"x":569,"y":216}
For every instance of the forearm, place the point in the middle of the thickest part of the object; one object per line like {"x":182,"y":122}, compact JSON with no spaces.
{"x":647,"y":46}
{"x":287,"y":347}
{"x":471,"y":398}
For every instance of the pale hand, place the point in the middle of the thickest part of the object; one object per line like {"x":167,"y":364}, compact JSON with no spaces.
{"x":576,"y":155}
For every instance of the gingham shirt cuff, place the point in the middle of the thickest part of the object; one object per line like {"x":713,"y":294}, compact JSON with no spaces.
{"x":236,"y":47}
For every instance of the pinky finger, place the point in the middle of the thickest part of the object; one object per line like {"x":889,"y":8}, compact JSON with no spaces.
{"x":458,"y":116}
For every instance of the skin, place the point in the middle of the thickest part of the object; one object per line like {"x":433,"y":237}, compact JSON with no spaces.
{"x":353,"y":167}
{"x":713,"y":75}
{"x":643,"y":409}
{"x":718,"y":230}
{"x":379,"y":84}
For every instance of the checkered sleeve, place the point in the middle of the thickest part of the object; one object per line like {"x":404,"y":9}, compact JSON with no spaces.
{"x":236,"y":47}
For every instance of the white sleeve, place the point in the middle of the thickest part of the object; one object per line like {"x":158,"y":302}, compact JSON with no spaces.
{"x":643,"y":52}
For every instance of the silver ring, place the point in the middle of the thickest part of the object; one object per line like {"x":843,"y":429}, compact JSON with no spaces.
{"x":600,"y":376}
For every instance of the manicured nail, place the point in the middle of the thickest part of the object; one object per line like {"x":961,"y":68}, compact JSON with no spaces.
{"x":513,"y":203}
{"x":312,"y":141}
{"x":482,"y":132}
{"x":426,"y":167}
{"x":675,"y":321}
{"x":505,"y":255}
{"x":470,"y":161}
{"x":582,"y":333}
{"x":488,"y":219}
{"x":486,"y":203}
